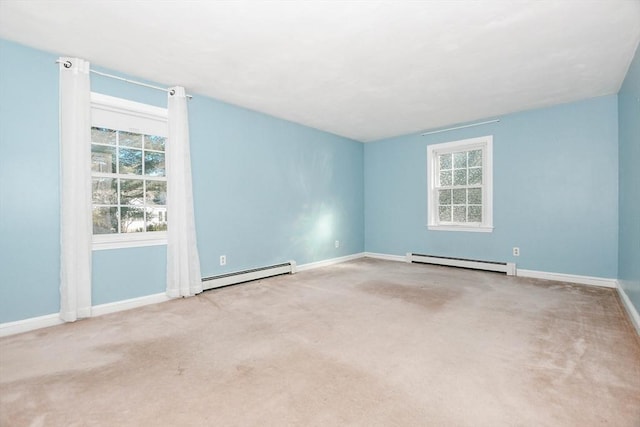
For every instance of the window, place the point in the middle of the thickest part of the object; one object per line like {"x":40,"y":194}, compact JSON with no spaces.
{"x":129,"y":184}
{"x":459,"y":181}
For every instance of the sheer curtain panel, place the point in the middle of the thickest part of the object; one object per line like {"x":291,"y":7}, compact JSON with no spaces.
{"x":183,"y":263}
{"x":75,"y":190}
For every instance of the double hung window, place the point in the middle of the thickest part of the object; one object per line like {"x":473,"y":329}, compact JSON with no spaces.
{"x":129,"y":184}
{"x":460,"y":185}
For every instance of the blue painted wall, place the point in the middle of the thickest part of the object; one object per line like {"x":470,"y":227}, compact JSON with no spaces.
{"x":629,"y":134}
{"x":266,"y":190}
{"x":29,"y":178}
{"x":555,"y":192}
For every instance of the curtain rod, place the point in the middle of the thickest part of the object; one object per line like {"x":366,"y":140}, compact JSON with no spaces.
{"x":460,"y":127}
{"x":67,"y":64}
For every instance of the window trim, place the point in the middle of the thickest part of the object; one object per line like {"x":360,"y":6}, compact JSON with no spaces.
{"x":134,"y":109}
{"x":486,"y":144}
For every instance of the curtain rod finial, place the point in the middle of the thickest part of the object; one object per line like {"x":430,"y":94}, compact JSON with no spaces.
{"x":65,"y":64}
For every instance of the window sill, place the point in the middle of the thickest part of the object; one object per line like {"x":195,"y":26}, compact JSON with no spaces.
{"x":477,"y":229}
{"x":133,"y":240}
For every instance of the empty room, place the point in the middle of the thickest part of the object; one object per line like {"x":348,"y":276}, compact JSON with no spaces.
{"x":319,"y":213}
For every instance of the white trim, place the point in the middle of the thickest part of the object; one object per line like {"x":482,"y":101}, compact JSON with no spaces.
{"x":398,"y":258}
{"x":128,"y":240}
{"x":117,"y":105}
{"x":33,"y":323}
{"x":478,"y":229}
{"x":628,"y":305}
{"x":328,"y":262}
{"x":570,"y":278}
{"x":127,"y":304}
{"x":123,"y":114}
{"x":26,"y":325}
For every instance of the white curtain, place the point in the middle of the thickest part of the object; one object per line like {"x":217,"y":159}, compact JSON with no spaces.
{"x":183,"y":263}
{"x":75,"y":189}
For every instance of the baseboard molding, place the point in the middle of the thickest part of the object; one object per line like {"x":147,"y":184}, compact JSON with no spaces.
{"x":631,"y":310}
{"x":327,"y":262}
{"x":399,"y":258}
{"x":560,"y":277}
{"x":128,"y":304}
{"x":26,"y":325}
{"x":570,"y":278}
{"x":33,"y":323}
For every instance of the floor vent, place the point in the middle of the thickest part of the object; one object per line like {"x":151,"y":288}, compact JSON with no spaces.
{"x":248,"y":275}
{"x":503,"y":267}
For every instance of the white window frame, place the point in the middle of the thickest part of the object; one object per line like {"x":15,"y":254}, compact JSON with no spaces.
{"x":485,"y":143}
{"x":123,"y":114}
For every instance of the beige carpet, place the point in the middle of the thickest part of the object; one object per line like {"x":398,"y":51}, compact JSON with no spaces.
{"x":369,"y":343}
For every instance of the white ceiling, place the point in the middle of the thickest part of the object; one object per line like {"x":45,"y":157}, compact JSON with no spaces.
{"x":362,"y":69}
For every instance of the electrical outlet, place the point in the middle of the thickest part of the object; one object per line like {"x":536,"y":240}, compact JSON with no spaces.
{"x":337,"y":244}
{"x":516,"y":251}
{"x":223,"y":259}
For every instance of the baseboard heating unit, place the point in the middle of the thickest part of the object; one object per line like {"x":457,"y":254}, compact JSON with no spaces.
{"x":288,"y":267}
{"x":503,"y":267}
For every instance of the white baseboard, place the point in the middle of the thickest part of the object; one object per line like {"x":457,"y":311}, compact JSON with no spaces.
{"x":33,"y":323}
{"x":128,"y":304}
{"x":570,"y":278}
{"x":26,"y":325}
{"x":399,"y":258}
{"x":327,"y":262}
{"x":631,"y":310}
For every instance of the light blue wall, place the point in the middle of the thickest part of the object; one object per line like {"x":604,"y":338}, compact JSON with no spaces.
{"x":555,"y":192}
{"x":266,"y":190}
{"x":629,"y":134}
{"x":29,"y":171}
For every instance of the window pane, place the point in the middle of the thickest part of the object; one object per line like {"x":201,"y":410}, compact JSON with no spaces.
{"x":460,"y":160}
{"x":131,"y":192}
{"x":475,"y":176}
{"x":475,"y":213}
{"x":131,"y":220}
{"x":445,"y":161}
{"x":157,"y":218}
{"x":460,"y":177}
{"x":444,"y":213}
{"x":460,"y":196}
{"x":103,"y":136}
{"x":103,"y":159}
{"x":128,"y":139}
{"x":105,"y":191}
{"x":459,"y":214}
{"x":154,"y":142}
{"x":444,"y":197}
{"x":105,"y":220}
{"x":475,"y":196}
{"x":156,"y":193}
{"x":445,"y":178}
{"x":475,"y":158}
{"x":130,"y":161}
{"x":154,"y":164}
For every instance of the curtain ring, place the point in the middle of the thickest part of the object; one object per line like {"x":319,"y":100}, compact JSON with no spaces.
{"x":172,"y":92}
{"x":67,"y":64}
